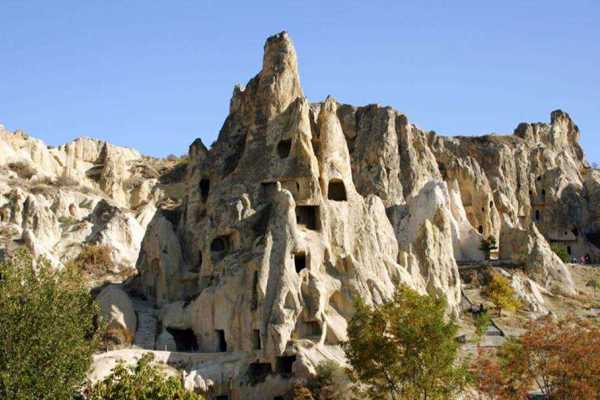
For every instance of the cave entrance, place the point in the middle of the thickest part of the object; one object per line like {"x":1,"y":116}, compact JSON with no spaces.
{"x":300,"y":261}
{"x":221,"y":342}
{"x":258,"y":372}
{"x":308,"y":216}
{"x":480,"y":229}
{"x":336,"y":190}
{"x":284,"y":364}
{"x":284,"y":147}
{"x":185,"y":339}
{"x":204,"y":189}
{"x":538,"y":215}
{"x":220,"y":244}
{"x":256,"y":345}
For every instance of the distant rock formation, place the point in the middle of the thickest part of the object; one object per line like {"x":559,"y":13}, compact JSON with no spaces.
{"x":256,"y":250}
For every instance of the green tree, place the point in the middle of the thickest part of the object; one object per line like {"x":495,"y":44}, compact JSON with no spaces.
{"x":501,"y":293}
{"x":561,"y":251}
{"x":405,"y":349}
{"x":47,"y":330}
{"x":487,"y":246}
{"x":145,"y":381}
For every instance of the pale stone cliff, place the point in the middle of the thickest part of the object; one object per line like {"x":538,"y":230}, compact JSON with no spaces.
{"x":254,"y":261}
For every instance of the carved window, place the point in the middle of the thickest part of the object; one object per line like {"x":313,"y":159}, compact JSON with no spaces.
{"x":283,"y":148}
{"x":336,"y":190}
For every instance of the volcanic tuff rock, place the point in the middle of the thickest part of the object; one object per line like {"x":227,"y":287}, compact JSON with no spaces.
{"x":58,"y":200}
{"x":300,"y":208}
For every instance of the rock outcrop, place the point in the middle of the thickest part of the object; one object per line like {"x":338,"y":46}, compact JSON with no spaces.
{"x":259,"y":246}
{"x":299,"y":208}
{"x":58,"y":200}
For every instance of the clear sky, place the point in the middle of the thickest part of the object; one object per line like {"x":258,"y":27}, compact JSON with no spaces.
{"x":155,"y":75}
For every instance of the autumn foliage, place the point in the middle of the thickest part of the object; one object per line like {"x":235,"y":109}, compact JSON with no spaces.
{"x":561,"y":358}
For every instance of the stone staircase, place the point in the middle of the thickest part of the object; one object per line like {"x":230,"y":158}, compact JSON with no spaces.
{"x":147,"y":328}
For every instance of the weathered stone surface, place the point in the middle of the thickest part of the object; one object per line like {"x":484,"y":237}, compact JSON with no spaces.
{"x":258,"y":246}
{"x":118,"y":313}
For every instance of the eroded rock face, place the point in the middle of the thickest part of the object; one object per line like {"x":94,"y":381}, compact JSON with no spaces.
{"x":259,"y":246}
{"x":298,"y":209}
{"x":87,"y":192}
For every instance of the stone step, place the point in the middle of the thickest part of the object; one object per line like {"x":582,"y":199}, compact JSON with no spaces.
{"x":145,"y":335}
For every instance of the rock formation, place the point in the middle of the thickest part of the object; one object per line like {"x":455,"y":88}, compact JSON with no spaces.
{"x":259,"y":247}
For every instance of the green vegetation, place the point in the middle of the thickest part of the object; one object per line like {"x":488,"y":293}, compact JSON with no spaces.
{"x":487,"y":246}
{"x":67,"y":221}
{"x":94,"y":260}
{"x":561,"y":251}
{"x":47,"y":330}
{"x":501,"y":293}
{"x":145,"y":381}
{"x":405,"y":349}
{"x":482,"y":322}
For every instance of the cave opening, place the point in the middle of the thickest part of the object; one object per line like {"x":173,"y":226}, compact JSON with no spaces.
{"x":480,"y":229}
{"x":258,"y":372}
{"x":185,"y":339}
{"x":221,"y":342}
{"x":219,"y":244}
{"x":538,"y":215}
{"x":300,"y":261}
{"x":308,"y":216}
{"x":204,"y":189}
{"x":256,"y":345}
{"x":569,"y":250}
{"x":284,"y":147}
{"x":284,"y":364}
{"x":336,"y":190}
{"x":575,"y":231}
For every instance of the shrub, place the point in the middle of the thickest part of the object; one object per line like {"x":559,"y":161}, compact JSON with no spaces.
{"x":561,"y":251}
{"x":482,"y":322}
{"x":501,"y":293}
{"x":405,"y":349}
{"x":22,"y":169}
{"x":487,"y":246}
{"x":47,"y":330}
{"x":66,"y":181}
{"x":561,"y":358}
{"x":94,"y":259}
{"x":142,"y":382}
{"x":67,"y":221}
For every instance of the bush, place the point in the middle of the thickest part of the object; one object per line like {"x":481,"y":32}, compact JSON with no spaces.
{"x":501,"y":293}
{"x":142,"y":382}
{"x":482,"y":322}
{"x":23,"y":169}
{"x":47,"y":330}
{"x":561,"y":251}
{"x":67,"y":221}
{"x":561,"y":358}
{"x":405,"y":349}
{"x":487,"y":246}
{"x":94,"y":259}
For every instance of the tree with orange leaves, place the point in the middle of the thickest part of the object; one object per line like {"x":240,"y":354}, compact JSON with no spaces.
{"x":561,"y":358}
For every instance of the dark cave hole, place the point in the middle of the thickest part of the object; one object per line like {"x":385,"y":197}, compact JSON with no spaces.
{"x":336,"y":190}
{"x":221,"y":342}
{"x":185,"y":339}
{"x":308,"y":216}
{"x":258,"y":372}
{"x":204,"y":189}
{"x":284,"y":365}
{"x":256,"y":345}
{"x":283,"y":148}
{"x":300,"y":261}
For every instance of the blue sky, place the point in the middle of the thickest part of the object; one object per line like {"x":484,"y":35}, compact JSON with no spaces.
{"x":155,"y":75}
